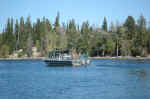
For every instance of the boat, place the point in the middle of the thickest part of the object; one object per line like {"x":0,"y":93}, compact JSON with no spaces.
{"x":66,"y":58}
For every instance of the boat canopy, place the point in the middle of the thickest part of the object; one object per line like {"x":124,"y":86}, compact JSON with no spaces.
{"x":59,"y":52}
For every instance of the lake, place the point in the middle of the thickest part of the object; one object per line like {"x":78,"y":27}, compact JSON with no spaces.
{"x":102,"y":79}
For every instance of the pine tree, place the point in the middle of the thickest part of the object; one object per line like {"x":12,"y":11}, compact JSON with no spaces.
{"x":141,"y":36}
{"x":17,"y":36}
{"x":84,"y":45}
{"x":130,"y":27}
{"x":22,"y":33}
{"x":37,"y":30}
{"x":9,"y":37}
{"x":72,"y":34}
{"x":56,"y":24}
{"x":28,"y":37}
{"x":104,"y":26}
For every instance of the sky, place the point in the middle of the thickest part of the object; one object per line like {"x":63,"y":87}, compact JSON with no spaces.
{"x":80,"y":10}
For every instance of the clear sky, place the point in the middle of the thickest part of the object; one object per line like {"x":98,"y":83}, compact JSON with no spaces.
{"x":80,"y":10}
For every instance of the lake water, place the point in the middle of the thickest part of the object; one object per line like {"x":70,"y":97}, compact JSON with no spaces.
{"x":102,"y":79}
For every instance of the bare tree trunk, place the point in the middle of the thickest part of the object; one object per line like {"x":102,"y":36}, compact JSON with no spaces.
{"x":17,"y":41}
{"x":103,"y":53}
{"x":41,"y":45}
{"x":117,"y":48}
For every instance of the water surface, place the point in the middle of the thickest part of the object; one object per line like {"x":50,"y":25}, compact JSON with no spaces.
{"x":103,"y":79}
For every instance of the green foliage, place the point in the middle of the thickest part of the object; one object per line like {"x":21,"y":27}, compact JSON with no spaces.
{"x":126,"y":48}
{"x":110,"y":46}
{"x":20,"y":54}
{"x":130,"y":27}
{"x":84,"y":37}
{"x":56,"y":24}
{"x":29,"y":46}
{"x":128,"y":39}
{"x":72,"y":35}
{"x":104,"y":26}
{"x":16,"y":34}
{"x":141,"y":36}
{"x":4,"y":51}
{"x":37,"y":45}
{"x":9,"y":36}
{"x":22,"y":33}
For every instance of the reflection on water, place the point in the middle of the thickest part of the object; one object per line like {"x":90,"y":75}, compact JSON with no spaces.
{"x":103,"y":79}
{"x":139,"y":73}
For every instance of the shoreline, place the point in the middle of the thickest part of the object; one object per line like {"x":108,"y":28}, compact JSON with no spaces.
{"x":27,"y":58}
{"x":121,"y":58}
{"x":98,"y":57}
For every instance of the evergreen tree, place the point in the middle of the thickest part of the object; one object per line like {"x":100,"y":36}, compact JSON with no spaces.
{"x":130,"y":27}
{"x":102,"y":46}
{"x":4,"y":51}
{"x":22,"y":33}
{"x":123,"y":39}
{"x":84,"y":45}
{"x":104,"y":26}
{"x":110,"y":46}
{"x":56,"y":24}
{"x":37,"y":30}
{"x":148,"y":40}
{"x":45,"y":37}
{"x":28,"y":37}
{"x":9,"y":37}
{"x":72,"y":34}
{"x":141,"y":36}
{"x":17,"y":35}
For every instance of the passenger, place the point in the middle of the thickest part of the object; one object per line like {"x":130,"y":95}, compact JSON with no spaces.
{"x":75,"y":56}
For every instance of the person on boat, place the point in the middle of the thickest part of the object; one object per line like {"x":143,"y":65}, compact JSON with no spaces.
{"x":75,"y":56}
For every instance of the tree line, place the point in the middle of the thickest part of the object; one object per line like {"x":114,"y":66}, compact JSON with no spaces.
{"x":132,"y":38}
